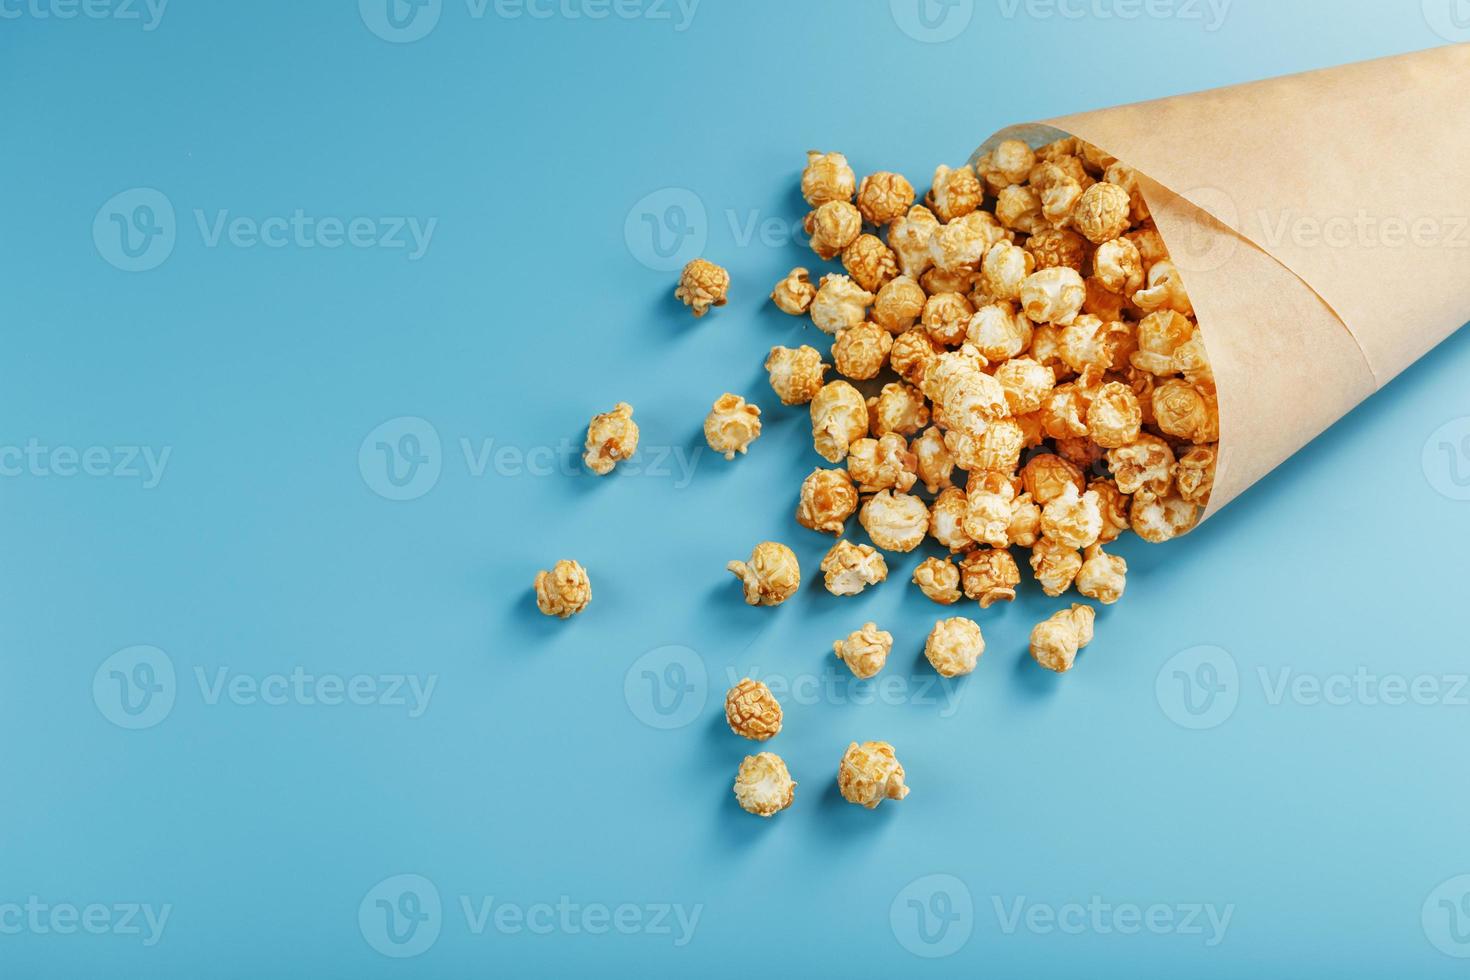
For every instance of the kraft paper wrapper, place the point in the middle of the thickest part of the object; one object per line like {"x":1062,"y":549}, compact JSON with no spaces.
{"x":1300,"y":329}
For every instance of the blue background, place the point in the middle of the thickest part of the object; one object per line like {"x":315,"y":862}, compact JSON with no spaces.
{"x":534,"y":773}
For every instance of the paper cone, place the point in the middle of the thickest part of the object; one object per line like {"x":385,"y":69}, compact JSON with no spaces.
{"x":1322,"y":226}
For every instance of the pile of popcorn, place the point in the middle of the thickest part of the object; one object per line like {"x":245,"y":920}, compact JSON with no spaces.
{"x":1037,"y":382}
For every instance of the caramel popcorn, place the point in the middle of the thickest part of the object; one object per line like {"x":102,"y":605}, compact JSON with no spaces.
{"x":1186,"y":412}
{"x":1113,"y":505}
{"x":832,"y":227}
{"x":1164,"y":290}
{"x":960,"y":281}
{"x":1194,"y":474}
{"x":1060,"y":193}
{"x":1056,"y":248}
{"x":1026,"y":383}
{"x":989,"y":575}
{"x":897,"y":408}
{"x":860,"y":351}
{"x":988,"y":515}
{"x":849,"y":568}
{"x":998,"y":332}
{"x":895,"y":521}
{"x":839,"y":418}
{"x":935,"y":463}
{"x":947,"y":519}
{"x":947,"y":316}
{"x":954,"y":646}
{"x":796,"y":374}
{"x":955,"y":193}
{"x":827,"y":177}
{"x":970,"y":401}
{"x":1145,"y":463}
{"x":899,"y":303}
{"x":732,"y":425}
{"x":997,"y":448}
{"x":884,"y":463}
{"x":939,"y":579}
{"x":1072,"y":520}
{"x":770,"y":577}
{"x":1055,"y":641}
{"x":909,"y":238}
{"x":865,"y":651}
{"x":702,"y":284}
{"x":752,"y":711}
{"x":1046,"y":476}
{"x":1007,"y":164}
{"x":1114,"y":419}
{"x":1127,"y":178}
{"x":1003,"y":269}
{"x":883,"y":197}
{"x":839,"y":303}
{"x":1055,"y":565}
{"x":564,"y":591}
{"x":1160,"y":335}
{"x":1018,"y":208}
{"x":870,"y":263}
{"x":913,"y":351}
{"x":764,"y":786}
{"x":1102,"y":576}
{"x":1118,"y":266}
{"x":1104,"y":212}
{"x":869,"y":774}
{"x":1157,"y":518}
{"x":961,"y":244}
{"x":1052,"y":295}
{"x":794,"y":294}
{"x":828,"y":499}
{"x":611,"y":438}
{"x":1025,"y":526}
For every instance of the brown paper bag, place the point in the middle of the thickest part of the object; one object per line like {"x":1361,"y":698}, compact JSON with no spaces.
{"x":1322,"y":226}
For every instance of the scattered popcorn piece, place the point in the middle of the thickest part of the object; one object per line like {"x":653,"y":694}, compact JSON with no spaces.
{"x":752,"y":711}
{"x":989,"y":575}
{"x":1186,"y":412}
{"x":1103,"y":213}
{"x":1145,"y":463}
{"x":1025,"y":526}
{"x":1007,"y":164}
{"x":1057,"y":248}
{"x":1053,"y":295}
{"x":1118,"y":266}
{"x":935,"y":463}
{"x":947,"y":519}
{"x":955,"y":193}
{"x":1018,"y":208}
{"x":796,"y":374}
{"x":988,"y":514}
{"x":732,"y":425}
{"x":1055,"y":641}
{"x":1164,"y":290}
{"x":763,"y":785}
{"x":1194,"y":474}
{"x":861,"y":351}
{"x":839,"y":418}
{"x":1046,"y":476}
{"x":870,"y":263}
{"x":849,"y":568}
{"x":1004,"y":268}
{"x":702,"y":284}
{"x":865,"y":651}
{"x":947,"y":316}
{"x":895,"y":521}
{"x":1102,"y":576}
{"x":1157,"y":518}
{"x":939,"y":579}
{"x":1055,"y":565}
{"x":998,"y":448}
{"x":827,"y":177}
{"x":1114,"y":419}
{"x":832,"y":227}
{"x":564,"y":591}
{"x":611,"y":438}
{"x":839,"y":303}
{"x":899,"y":408}
{"x":899,"y":303}
{"x":960,"y":245}
{"x":794,"y":294}
{"x":954,"y":646}
{"x":1159,"y":336}
{"x":883,"y":197}
{"x":912,"y":353}
{"x":770,"y":577}
{"x":828,"y":499}
{"x":869,"y":773}
{"x":884,"y":463}
{"x":1113,"y":505}
{"x":909,"y":238}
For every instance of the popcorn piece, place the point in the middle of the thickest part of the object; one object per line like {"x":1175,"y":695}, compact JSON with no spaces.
{"x":955,"y":193}
{"x":1194,"y":474}
{"x":1164,"y":290}
{"x":1157,"y":518}
{"x":1103,"y":213}
{"x":947,"y":519}
{"x":1118,"y":266}
{"x":564,"y":591}
{"x":770,"y":577}
{"x":939,"y":579}
{"x":1057,"y":248}
{"x":839,"y":418}
{"x":961,"y":244}
{"x":947,"y":316}
{"x":752,"y":711}
{"x":1114,"y":418}
{"x":1055,"y":641}
{"x":839,"y":303}
{"x":909,"y":238}
{"x":934,"y":461}
{"x":990,"y":575}
{"x":1019,"y":208}
{"x":1127,"y":178}
{"x":865,"y":651}
{"x":611,"y":438}
{"x":954,"y":646}
{"x":998,"y":332}
{"x":827,"y":177}
{"x":988,"y":515}
{"x":1145,"y":463}
{"x":898,"y":408}
{"x":970,"y":401}
{"x":899,"y":304}
{"x":794,"y":294}
{"x":870,"y":263}
{"x":881,"y":464}
{"x":895,"y":521}
{"x":1046,"y":476}
{"x":1186,"y":412}
{"x":1150,"y":245}
{"x":1113,"y":506}
{"x":1160,"y":335}
{"x":702,"y":284}
{"x":883,"y":197}
{"x":828,"y":499}
{"x":869,"y":773}
{"x":1025,"y":526}
{"x":1079,"y":451}
{"x":732,"y":425}
{"x":860,"y":351}
{"x":1055,"y":565}
{"x":1007,"y":164}
{"x":796,"y":374}
{"x":1072,"y":520}
{"x":913,"y":351}
{"x":998,"y":448}
{"x":1052,"y":295}
{"x":1107,"y":306}
{"x":849,"y":568}
{"x":960,"y":281}
{"x":1004,"y":268}
{"x":1102,"y":576}
{"x":763,"y":785}
{"x":832,"y":227}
